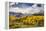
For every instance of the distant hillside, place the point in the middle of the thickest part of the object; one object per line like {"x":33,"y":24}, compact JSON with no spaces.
{"x":15,"y":14}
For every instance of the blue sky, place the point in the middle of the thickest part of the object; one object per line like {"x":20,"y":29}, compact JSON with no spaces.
{"x":23,"y":5}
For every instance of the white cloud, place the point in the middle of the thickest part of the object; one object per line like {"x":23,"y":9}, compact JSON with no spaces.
{"x":12,"y":3}
{"x":30,"y":10}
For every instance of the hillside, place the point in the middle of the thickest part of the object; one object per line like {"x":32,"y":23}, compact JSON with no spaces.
{"x":26,"y":21}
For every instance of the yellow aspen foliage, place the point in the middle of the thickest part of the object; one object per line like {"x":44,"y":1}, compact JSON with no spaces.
{"x":12,"y":18}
